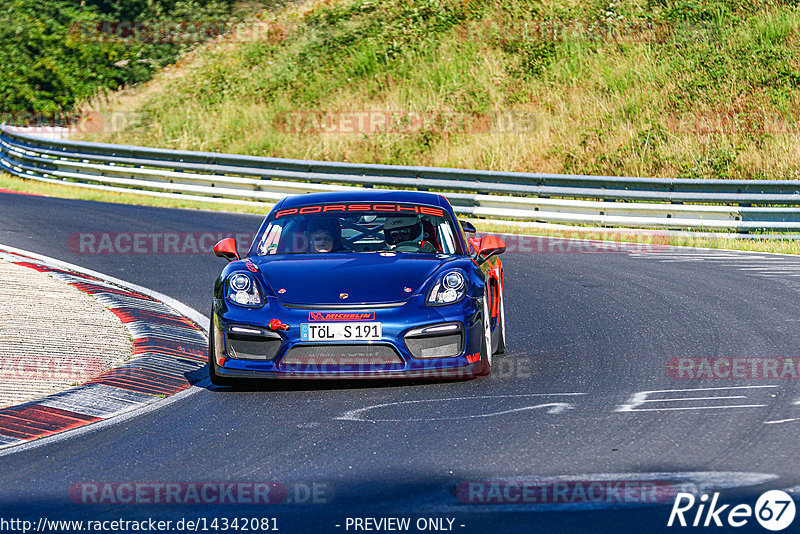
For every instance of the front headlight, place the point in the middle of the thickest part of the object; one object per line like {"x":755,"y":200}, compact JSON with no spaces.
{"x":449,"y":288}
{"x":243,"y":290}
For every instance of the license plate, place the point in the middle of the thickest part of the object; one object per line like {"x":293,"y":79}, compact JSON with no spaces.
{"x":341,"y":331}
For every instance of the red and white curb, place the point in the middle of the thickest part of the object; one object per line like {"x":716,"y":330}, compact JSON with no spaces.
{"x":170,"y":351}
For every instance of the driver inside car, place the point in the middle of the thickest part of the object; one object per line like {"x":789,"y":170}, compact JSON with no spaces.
{"x":405,"y":234}
{"x":323,"y":235}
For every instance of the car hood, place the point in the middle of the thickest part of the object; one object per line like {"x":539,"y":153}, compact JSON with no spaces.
{"x":366,"y":278}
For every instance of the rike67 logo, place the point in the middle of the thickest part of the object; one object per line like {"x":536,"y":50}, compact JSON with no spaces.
{"x":774,"y":510}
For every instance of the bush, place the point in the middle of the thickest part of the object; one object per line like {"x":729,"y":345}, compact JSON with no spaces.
{"x":49,"y":65}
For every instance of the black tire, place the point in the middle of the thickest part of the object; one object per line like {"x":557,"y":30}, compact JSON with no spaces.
{"x":501,"y":325}
{"x":216,"y":379}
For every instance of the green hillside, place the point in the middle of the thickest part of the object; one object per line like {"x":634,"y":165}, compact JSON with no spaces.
{"x":59,"y":52}
{"x":687,"y":88}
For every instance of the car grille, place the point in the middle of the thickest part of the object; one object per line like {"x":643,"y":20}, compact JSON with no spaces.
{"x":342,"y":355}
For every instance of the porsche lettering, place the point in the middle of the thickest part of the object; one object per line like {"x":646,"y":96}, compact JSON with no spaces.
{"x":391,"y":208}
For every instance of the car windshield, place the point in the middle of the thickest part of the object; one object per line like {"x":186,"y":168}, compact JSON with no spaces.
{"x":359,"y":228}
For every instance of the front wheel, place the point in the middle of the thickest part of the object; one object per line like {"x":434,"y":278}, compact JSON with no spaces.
{"x":486,"y":339}
{"x":501,"y":325}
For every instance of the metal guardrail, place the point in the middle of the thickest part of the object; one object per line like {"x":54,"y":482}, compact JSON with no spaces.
{"x":686,"y":204}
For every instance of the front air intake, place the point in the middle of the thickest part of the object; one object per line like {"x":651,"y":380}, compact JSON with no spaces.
{"x":437,"y":341}
{"x":259,"y":347}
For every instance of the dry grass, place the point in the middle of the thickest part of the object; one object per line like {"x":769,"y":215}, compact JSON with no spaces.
{"x":614,"y":107}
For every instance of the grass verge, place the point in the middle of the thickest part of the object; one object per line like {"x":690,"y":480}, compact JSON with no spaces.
{"x":33,"y":187}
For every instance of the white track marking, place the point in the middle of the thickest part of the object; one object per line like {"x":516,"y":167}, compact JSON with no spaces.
{"x":782,"y":421}
{"x":554,"y":407}
{"x":767,"y":268}
{"x":696,"y":408}
{"x":642,"y":397}
{"x":758,"y":264}
{"x":697,"y":398}
{"x":712,"y":257}
{"x":683,"y":260}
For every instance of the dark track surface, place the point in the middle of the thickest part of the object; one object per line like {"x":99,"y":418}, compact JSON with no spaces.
{"x":601,"y":324}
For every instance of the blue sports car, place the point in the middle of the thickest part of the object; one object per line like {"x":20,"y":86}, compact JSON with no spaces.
{"x":364,"y":284}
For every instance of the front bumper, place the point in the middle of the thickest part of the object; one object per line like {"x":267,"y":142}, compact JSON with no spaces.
{"x":285,"y":355}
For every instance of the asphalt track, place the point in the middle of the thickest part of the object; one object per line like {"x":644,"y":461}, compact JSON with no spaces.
{"x":600,"y":327}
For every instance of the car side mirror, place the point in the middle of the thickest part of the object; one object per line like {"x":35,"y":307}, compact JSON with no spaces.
{"x":475,"y":243}
{"x":227,"y":249}
{"x":489,"y":246}
{"x":468,"y":227}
